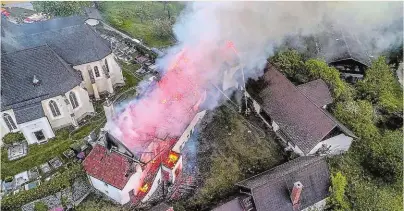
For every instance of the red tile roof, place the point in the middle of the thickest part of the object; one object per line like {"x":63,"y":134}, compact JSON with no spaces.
{"x":110,"y":168}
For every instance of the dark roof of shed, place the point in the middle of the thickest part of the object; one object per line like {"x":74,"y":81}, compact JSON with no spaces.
{"x":317,"y":91}
{"x":72,"y":39}
{"x":161,"y":207}
{"x":18,"y":70}
{"x":337,"y":45}
{"x":29,"y":113}
{"x":271,"y":189}
{"x":299,"y":118}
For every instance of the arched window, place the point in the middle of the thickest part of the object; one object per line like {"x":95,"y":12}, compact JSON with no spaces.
{"x":73,"y":100}
{"x":106,"y":65}
{"x":96,"y":72}
{"x":9,"y":122}
{"x":54,"y":108}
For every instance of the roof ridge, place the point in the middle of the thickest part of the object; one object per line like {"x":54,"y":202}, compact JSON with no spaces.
{"x":310,"y":159}
{"x":25,"y":49}
{"x":295,"y":87}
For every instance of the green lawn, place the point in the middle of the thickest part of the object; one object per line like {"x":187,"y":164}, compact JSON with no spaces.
{"x":37,"y":155}
{"x":229,"y":153}
{"x":136,"y":18}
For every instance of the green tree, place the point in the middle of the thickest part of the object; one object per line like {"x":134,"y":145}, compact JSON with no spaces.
{"x":162,"y":28}
{"x":359,"y":116}
{"x":291,"y":63}
{"x":385,"y":156}
{"x":319,"y":69}
{"x":60,"y":8}
{"x":40,"y":206}
{"x":337,"y":199}
{"x":10,"y":138}
{"x":381,"y":87}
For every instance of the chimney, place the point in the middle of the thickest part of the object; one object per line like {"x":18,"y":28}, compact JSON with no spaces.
{"x":296,"y":191}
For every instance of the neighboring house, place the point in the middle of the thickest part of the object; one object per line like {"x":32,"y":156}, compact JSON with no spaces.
{"x":300,"y":184}
{"x":49,"y":71}
{"x":344,"y":51}
{"x":297,"y":114}
{"x":133,"y":177}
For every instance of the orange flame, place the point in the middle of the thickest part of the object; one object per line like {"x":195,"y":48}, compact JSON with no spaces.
{"x":172,"y":158}
{"x":144,"y":188}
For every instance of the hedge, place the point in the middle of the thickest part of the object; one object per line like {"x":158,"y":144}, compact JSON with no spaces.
{"x":58,"y":183}
{"x":11,"y":138}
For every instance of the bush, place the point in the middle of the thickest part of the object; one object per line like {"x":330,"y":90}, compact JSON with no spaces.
{"x":9,"y":179}
{"x":40,"y":206}
{"x":60,"y":182}
{"x":11,"y":138}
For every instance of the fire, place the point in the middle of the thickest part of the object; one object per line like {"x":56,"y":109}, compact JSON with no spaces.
{"x":144,"y":188}
{"x":172,"y":157}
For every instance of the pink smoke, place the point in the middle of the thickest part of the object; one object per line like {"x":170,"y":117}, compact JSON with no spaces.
{"x":167,"y":109}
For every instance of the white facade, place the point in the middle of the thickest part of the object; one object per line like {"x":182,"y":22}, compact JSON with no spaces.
{"x":102,"y":84}
{"x":156,"y":182}
{"x":68,"y":116}
{"x":188,"y":132}
{"x":336,"y":145}
{"x":30,"y":128}
{"x":120,"y":196}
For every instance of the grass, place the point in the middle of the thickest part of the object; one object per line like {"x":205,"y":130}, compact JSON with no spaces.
{"x":37,"y":155}
{"x":231,"y":153}
{"x":136,"y":18}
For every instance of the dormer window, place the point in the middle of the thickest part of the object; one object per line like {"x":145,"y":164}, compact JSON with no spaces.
{"x":96,"y":72}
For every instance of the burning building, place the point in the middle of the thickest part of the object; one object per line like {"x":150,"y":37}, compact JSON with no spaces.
{"x":140,"y":148}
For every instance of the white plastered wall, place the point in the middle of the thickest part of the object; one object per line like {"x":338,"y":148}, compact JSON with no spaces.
{"x":85,"y":106}
{"x":187,"y":133}
{"x":156,"y":182}
{"x":101,"y":82}
{"x":109,"y":190}
{"x":3,"y":127}
{"x":28,"y":129}
{"x":338,"y":144}
{"x":63,"y":119}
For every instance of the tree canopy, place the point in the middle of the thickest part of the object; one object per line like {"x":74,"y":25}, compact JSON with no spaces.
{"x":381,"y":87}
{"x":60,"y":8}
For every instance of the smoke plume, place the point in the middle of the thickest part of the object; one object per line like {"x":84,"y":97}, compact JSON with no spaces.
{"x":213,"y":35}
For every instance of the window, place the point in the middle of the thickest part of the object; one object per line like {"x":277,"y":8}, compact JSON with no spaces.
{"x":73,"y":100}
{"x":106,"y":65}
{"x":96,"y":72}
{"x":54,"y":108}
{"x":39,"y":135}
{"x":9,"y":122}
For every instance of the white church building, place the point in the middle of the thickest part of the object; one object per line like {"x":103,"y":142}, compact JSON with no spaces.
{"x":50,"y":70}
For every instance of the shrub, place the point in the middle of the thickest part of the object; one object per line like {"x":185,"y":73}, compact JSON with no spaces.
{"x":11,"y":138}
{"x":9,"y":179}
{"x":40,"y":206}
